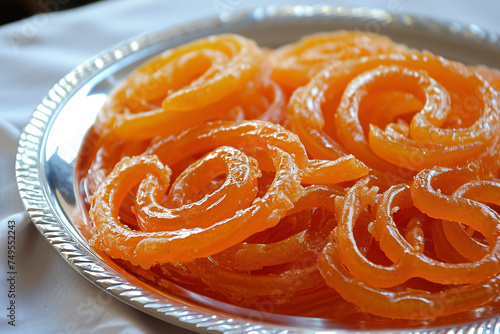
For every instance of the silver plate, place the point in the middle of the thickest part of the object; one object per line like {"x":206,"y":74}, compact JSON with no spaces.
{"x":51,"y":140}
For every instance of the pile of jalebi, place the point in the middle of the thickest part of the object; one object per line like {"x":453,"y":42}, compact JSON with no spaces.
{"x":343,"y":176}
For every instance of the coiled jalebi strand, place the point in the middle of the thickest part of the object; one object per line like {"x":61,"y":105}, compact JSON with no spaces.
{"x":327,"y":109}
{"x":183,"y":86}
{"x":380,"y":288}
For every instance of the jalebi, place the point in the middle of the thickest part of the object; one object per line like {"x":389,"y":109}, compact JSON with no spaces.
{"x":344,"y":177}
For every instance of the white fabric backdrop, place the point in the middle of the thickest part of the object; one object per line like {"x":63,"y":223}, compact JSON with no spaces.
{"x":34,"y":53}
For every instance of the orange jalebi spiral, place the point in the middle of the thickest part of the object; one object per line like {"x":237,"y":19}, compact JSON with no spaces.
{"x":464,"y":207}
{"x":326,"y":111}
{"x":349,"y":271}
{"x":183,"y":86}
{"x":343,"y":176}
{"x":146,"y":248}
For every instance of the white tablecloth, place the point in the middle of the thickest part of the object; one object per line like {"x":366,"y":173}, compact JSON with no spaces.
{"x":50,"y":297}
